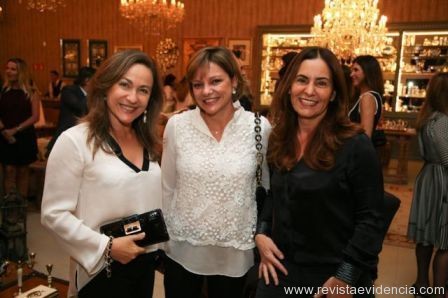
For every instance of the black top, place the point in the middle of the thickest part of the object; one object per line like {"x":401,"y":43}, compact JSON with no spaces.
{"x":73,"y":107}
{"x":56,"y":88}
{"x":326,"y":219}
{"x":15,"y":108}
{"x":355,"y":116}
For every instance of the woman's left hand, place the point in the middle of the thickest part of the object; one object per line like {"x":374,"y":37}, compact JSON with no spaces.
{"x":334,"y":288}
{"x":124,"y":249}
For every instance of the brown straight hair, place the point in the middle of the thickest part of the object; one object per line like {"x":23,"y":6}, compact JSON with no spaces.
{"x":436,"y":98}
{"x":109,"y":73}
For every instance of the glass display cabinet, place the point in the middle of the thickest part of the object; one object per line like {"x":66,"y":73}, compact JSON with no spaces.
{"x":414,"y":52}
{"x":422,"y":54}
{"x":274,"y":46}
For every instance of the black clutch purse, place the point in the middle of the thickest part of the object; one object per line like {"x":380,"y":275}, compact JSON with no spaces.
{"x":152,"y":223}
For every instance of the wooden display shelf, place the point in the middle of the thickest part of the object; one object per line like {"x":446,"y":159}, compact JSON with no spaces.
{"x":417,"y":75}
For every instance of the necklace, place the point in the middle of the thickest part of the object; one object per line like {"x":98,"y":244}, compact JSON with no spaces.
{"x":217,"y":132}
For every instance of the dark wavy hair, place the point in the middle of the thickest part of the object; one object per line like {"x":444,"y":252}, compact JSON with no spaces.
{"x":109,"y":73}
{"x":373,"y":75}
{"x":436,"y":98}
{"x":331,"y":132}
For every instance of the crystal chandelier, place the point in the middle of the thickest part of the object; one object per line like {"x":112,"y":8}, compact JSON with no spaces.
{"x":350,"y":28}
{"x":44,"y":5}
{"x":150,"y":15}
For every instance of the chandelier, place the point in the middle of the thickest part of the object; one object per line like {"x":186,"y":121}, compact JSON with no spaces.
{"x":150,"y":15}
{"x":44,"y":5}
{"x":350,"y":28}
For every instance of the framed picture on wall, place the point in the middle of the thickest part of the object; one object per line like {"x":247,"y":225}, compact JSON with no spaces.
{"x":243,"y":48}
{"x":119,"y":48}
{"x":71,"y":57}
{"x":97,"y":52}
{"x":192,"y":45}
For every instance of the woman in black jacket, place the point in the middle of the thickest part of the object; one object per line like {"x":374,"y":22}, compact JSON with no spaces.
{"x":322,"y":226}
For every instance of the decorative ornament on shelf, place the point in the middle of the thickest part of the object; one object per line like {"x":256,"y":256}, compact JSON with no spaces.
{"x":151,"y":16}
{"x":44,"y":5}
{"x":350,"y":28}
{"x":167,"y":54}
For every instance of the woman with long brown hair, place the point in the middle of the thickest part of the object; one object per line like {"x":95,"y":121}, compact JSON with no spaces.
{"x":321,"y":226}
{"x":106,"y":169}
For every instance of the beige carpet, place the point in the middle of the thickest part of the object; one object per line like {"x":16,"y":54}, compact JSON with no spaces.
{"x":398,"y":228}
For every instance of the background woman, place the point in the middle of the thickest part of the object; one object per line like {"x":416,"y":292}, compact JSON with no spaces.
{"x":208,"y":166}
{"x":428,"y":220}
{"x":105,"y":169}
{"x":169,"y":90}
{"x":19,"y":110}
{"x":367,"y":80}
{"x":326,"y":186}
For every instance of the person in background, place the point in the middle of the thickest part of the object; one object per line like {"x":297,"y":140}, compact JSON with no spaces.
{"x":73,"y":104}
{"x":19,"y":110}
{"x":169,"y":90}
{"x":184,"y":99}
{"x":322,"y":224}
{"x":246,"y":96}
{"x":105,"y":169}
{"x":286,"y":59}
{"x":55,"y":86}
{"x":368,"y":84}
{"x":208,"y":175}
{"x":428,"y":219}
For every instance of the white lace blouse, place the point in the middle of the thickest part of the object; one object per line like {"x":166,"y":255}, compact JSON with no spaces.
{"x":209,"y":192}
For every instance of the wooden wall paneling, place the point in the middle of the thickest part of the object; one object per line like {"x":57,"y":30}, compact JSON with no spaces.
{"x":35,"y":36}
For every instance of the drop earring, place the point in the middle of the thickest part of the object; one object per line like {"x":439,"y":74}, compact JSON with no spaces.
{"x":333,"y":96}
{"x":233,"y":91}
{"x":144,"y":116}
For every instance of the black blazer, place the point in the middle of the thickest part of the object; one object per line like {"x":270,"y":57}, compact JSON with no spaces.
{"x":73,"y":106}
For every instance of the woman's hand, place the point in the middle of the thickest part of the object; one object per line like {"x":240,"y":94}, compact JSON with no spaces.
{"x":331,"y":286}
{"x":9,"y":133}
{"x":124,"y":249}
{"x":270,"y":259}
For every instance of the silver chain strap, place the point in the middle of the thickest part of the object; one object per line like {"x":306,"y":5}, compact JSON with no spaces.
{"x":258,"y":146}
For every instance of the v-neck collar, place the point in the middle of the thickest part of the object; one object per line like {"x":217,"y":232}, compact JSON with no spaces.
{"x":119,"y":153}
{"x":199,"y":123}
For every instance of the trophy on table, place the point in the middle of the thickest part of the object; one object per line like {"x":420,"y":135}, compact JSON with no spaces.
{"x":31,"y":261}
{"x":49,"y":278}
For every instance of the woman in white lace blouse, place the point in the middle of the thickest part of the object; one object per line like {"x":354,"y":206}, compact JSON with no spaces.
{"x":208,"y":174}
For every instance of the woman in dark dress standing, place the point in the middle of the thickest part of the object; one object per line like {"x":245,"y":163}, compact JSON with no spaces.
{"x":19,"y":110}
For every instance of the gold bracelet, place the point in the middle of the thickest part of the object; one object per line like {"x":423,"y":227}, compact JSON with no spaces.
{"x":108,"y":258}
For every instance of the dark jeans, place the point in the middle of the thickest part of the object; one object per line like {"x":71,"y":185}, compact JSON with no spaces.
{"x":301,"y":280}
{"x":181,"y":283}
{"x":133,"y":280}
